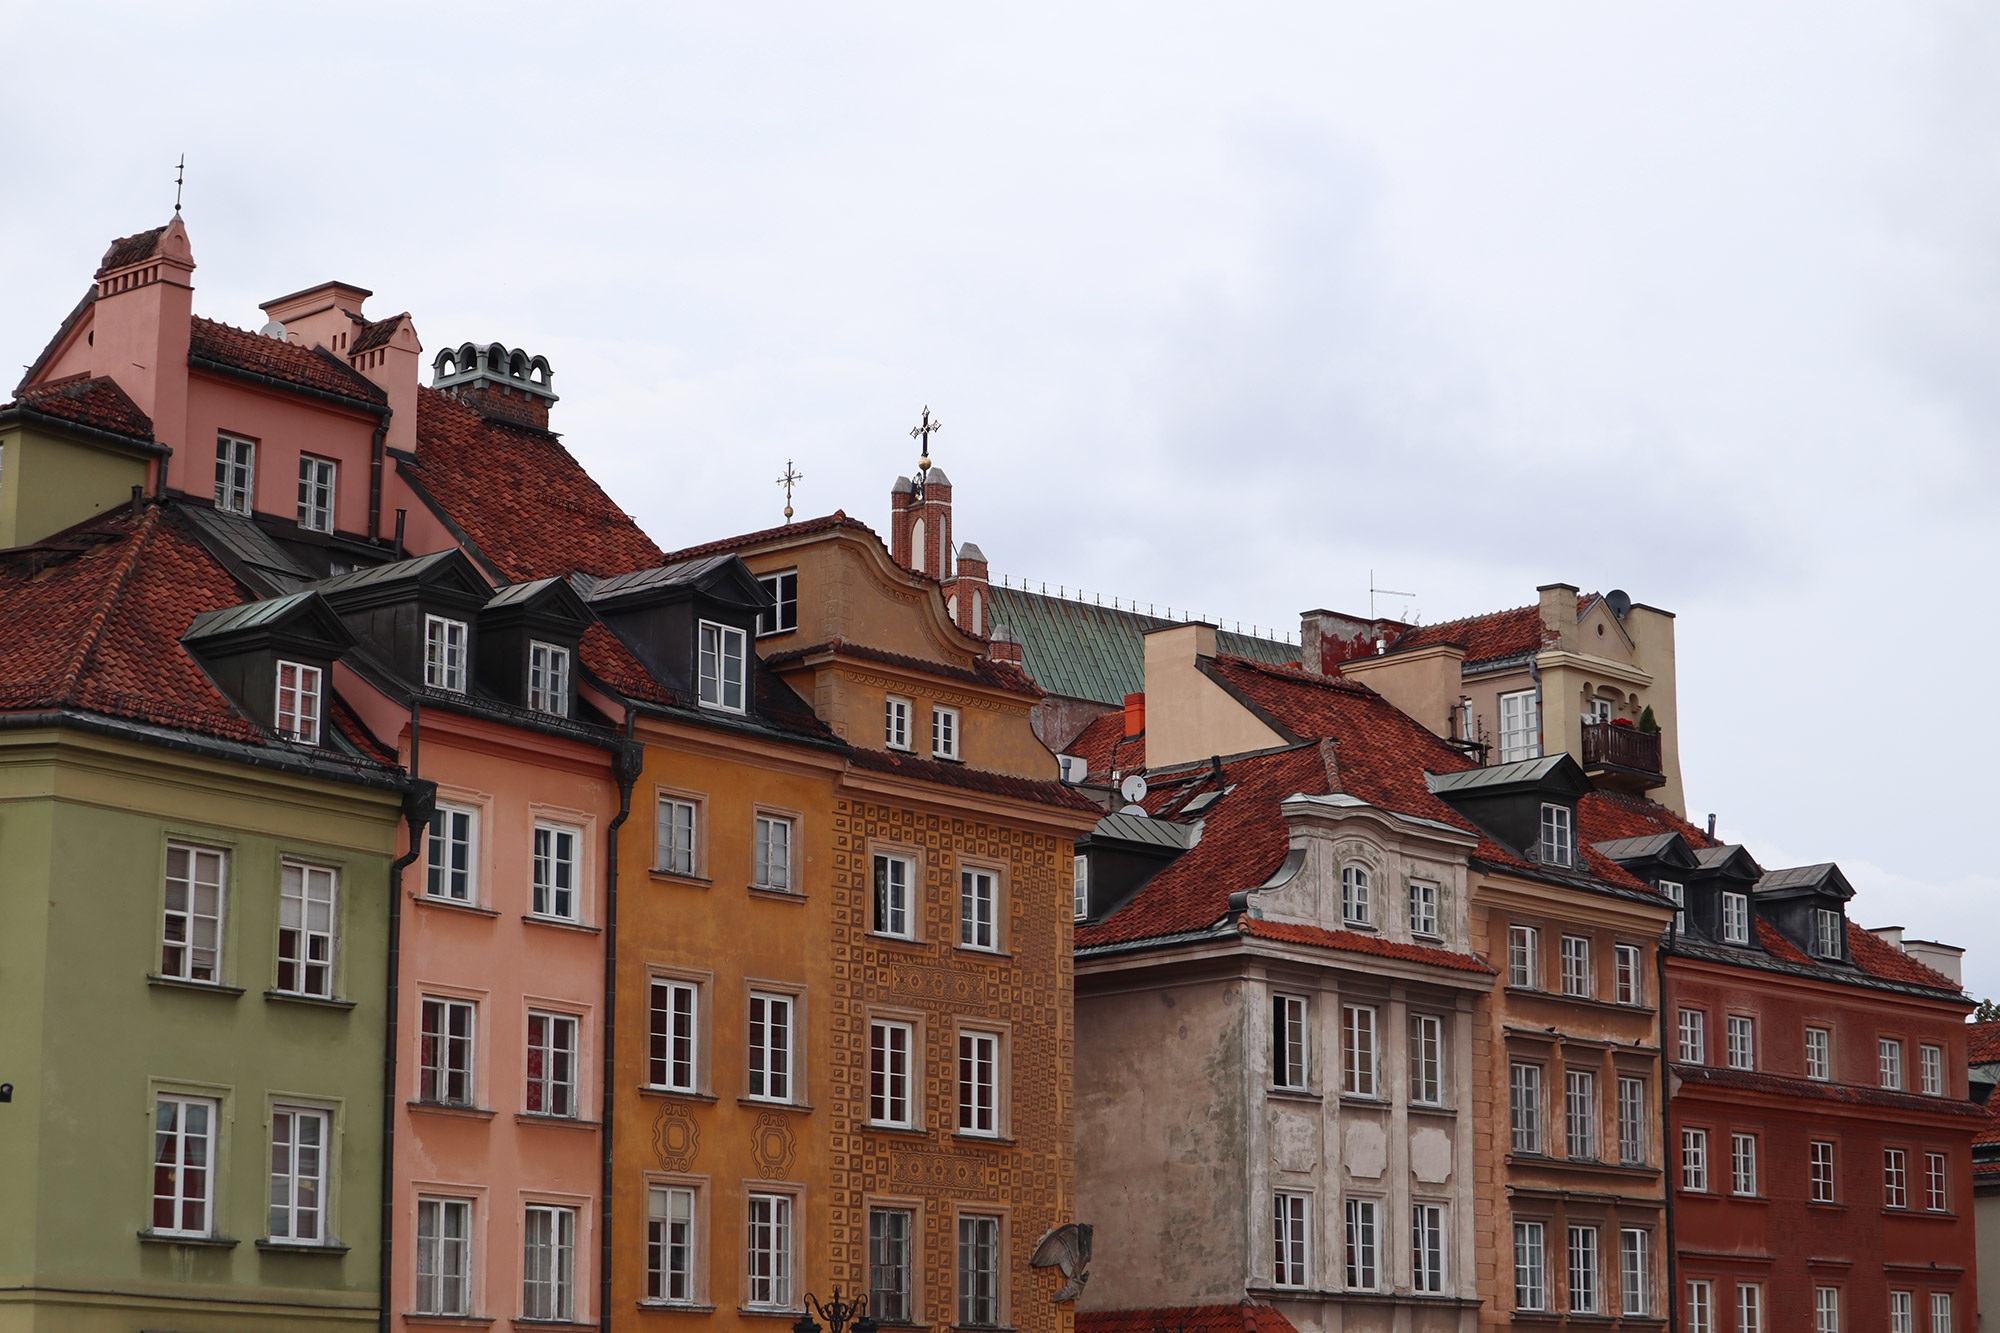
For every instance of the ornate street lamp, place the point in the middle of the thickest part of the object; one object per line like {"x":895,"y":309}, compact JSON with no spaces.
{"x":837,"y":1313}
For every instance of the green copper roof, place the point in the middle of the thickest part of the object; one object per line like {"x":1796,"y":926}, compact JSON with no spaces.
{"x":1085,"y":651}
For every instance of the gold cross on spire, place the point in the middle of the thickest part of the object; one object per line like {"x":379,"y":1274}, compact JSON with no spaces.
{"x":791,"y":478}
{"x":922,"y":432}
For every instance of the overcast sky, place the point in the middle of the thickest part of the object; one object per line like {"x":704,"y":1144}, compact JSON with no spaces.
{"x":1223,"y":306}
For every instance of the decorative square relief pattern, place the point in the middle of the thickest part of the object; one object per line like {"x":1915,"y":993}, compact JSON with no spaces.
{"x":1032,"y":1177}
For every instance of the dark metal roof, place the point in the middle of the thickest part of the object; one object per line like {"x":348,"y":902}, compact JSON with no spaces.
{"x":246,"y":616}
{"x":389,"y":573}
{"x":1144,"y":829}
{"x":682,"y":574}
{"x":238,"y":539}
{"x":1633,"y":849}
{"x":520,"y":592}
{"x":1497,"y":775}
{"x":1084,"y":651}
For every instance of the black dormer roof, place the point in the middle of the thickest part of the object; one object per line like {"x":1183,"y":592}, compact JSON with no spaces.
{"x":1666,"y":853}
{"x":448,"y":576}
{"x":240,"y":648}
{"x":1729,"y":862}
{"x":1820,"y":881}
{"x":1506,"y":800}
{"x":721,"y":578}
{"x":657,"y":614}
{"x":1792,"y":899}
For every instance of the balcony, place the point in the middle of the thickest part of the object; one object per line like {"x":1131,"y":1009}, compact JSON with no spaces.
{"x":1621,"y":757}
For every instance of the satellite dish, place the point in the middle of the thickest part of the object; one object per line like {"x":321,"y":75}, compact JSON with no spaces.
{"x":1133,"y":788}
{"x":1619,"y":601}
{"x":273,"y":330}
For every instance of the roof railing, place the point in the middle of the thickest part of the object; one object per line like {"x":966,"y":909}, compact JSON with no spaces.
{"x":1156,"y":610}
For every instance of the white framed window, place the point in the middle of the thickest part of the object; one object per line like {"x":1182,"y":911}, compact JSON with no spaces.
{"x":551,"y":1064}
{"x":944,"y":732}
{"x":1583,"y":1270}
{"x":771,"y":1031}
{"x":1934,"y":1182}
{"x":444,"y":1256}
{"x":670,"y":1244}
{"x":1362,"y":1270}
{"x":548,"y":1263}
{"x":1895,"y":1179}
{"x":1524,"y":957}
{"x":1827,"y":932}
{"x":1292,"y":1228}
{"x":1520,"y":730}
{"x":892,"y":915}
{"x":768,"y":1247}
{"x":1701,"y":1306}
{"x":1826,"y":1309}
{"x":979,"y":1083}
{"x":784,"y":611}
{"x":977,"y":890}
{"x":1901,"y":1318}
{"x":1429,"y":1240}
{"x":774,"y":853}
{"x":896,"y":723}
{"x":1531,"y":1278}
{"x":235,"y":474}
{"x":548,"y":678}
{"x":1576,"y":971}
{"x":191,"y":929}
{"x":672,"y":1012}
{"x":1821,"y":1156}
{"x":1930,"y":1070}
{"x":1629,"y":984}
{"x":445,"y":1050}
{"x":308,"y":902}
{"x":1940,"y":1312}
{"x":1079,"y":888}
{"x":1427,"y":1059}
{"x":1635,"y":1271}
{"x":184,"y":1165}
{"x":1291,"y":1061}
{"x":1735,"y":918}
{"x":1356,"y":909}
{"x":299,"y":702}
{"x":891,"y":1265}
{"x":1694,"y":1037}
{"x":889,"y":1048}
{"x":1424,"y":909}
{"x":1749,"y":1307}
{"x":1632,"y":1121}
{"x":1358,"y":1056}
{"x":299,"y":1142}
{"x":1558,"y":844}
{"x":556,"y":872}
{"x":1467,"y":722}
{"x":316,"y":491}
{"x":674,"y":837}
{"x":444,"y":654}
{"x":1694,"y":1160}
{"x":1676,"y":894}
{"x":1743,"y":1164}
{"x":450,"y":863}
{"x":978,"y":1271}
{"x":1524,"y":1106}
{"x":722,"y":667}
{"x":1819,"y":1054}
{"x":1742,"y":1042}
{"x":1580,"y":1113}
{"x":1889,"y":1060}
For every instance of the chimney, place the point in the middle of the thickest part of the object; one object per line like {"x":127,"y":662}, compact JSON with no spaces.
{"x":1135,"y":715}
{"x":932,"y":536}
{"x":140,"y":324}
{"x":1945,"y":958}
{"x":328,"y":316}
{"x":1004,"y":646}
{"x":1890,"y":935}
{"x":902,"y":513}
{"x":966,"y":594}
{"x":1559,"y":615}
{"x":1328,"y":638}
{"x":390,"y":354}
{"x":499,"y":382}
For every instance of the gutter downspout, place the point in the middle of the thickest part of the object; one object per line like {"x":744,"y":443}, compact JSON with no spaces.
{"x":417,"y":807}
{"x":375,"y":464}
{"x":1666,"y":1136}
{"x":628,"y":760}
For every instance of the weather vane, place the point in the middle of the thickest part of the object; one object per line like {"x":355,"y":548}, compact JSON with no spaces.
{"x":180,"y":175}
{"x":922,"y":432}
{"x":791,"y":478}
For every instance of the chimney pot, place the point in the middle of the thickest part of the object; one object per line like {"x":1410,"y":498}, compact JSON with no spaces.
{"x":1135,"y":715}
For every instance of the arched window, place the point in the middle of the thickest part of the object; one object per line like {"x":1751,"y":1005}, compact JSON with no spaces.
{"x":1356,"y":909}
{"x":917,"y":546}
{"x":978,"y":614}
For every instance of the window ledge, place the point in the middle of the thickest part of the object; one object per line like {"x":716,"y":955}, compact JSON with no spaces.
{"x":522,"y":1321}
{"x":452,"y":1108}
{"x":299,"y":1247}
{"x":903,"y":1131}
{"x":1827,"y":1205}
{"x":896,"y":941}
{"x":677,"y":1307}
{"x":676,"y":877}
{"x":681,"y":1094}
{"x":1432,"y":1108}
{"x":450,"y":905}
{"x":768,"y":1312}
{"x":1592,"y":1165}
{"x":1590,"y":1001}
{"x":322,"y":1001}
{"x":947,"y":758}
{"x":1004,"y":955}
{"x":560,"y":923}
{"x":450,"y":1320}
{"x":151,"y":1237}
{"x":1367,"y":926}
{"x":1293,"y":1095}
{"x":559,"y":1121}
{"x":773,"y":895}
{"x":1359,"y":1099}
{"x":761,"y":1103}
{"x":1000,"y":1140}
{"x":178,"y":983}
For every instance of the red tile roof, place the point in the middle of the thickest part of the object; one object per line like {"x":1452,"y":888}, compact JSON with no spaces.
{"x":527,"y":505}
{"x":1355,"y":941}
{"x":1606,"y":816}
{"x":1038,"y":791}
{"x":1495,"y":634}
{"x":370,"y":336}
{"x":1878,"y":958}
{"x":804,"y":527}
{"x":983,"y":671}
{"x":309,"y":368}
{"x":1982,"y":1043}
{"x":86,"y":400}
{"x":128,"y":250}
{"x":1107,"y":748}
{"x":1244,"y":1318}
{"x":1777,"y":1085}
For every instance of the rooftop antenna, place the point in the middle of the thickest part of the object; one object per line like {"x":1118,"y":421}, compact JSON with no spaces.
{"x":791,"y":478}
{"x":922,"y":432}
{"x":1373,"y":591}
{"x":180,"y":176}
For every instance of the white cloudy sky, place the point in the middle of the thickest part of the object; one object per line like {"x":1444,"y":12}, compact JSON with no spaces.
{"x":1223,"y":306}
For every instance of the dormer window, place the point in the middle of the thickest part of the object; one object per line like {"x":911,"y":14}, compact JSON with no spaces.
{"x":1735,"y":918}
{"x":316,"y":493}
{"x":444,"y":654}
{"x":1678,"y":893}
{"x":944,"y":732}
{"x":896,"y":723}
{"x":235,"y":469}
{"x":298,"y":702}
{"x":548,"y":679}
{"x":1355,"y":909}
{"x":1827,"y":932}
{"x":1558,"y":836}
{"x":784,"y":612}
{"x":722,"y":666}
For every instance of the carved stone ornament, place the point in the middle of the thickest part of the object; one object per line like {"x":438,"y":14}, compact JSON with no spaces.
{"x":676,"y":1137}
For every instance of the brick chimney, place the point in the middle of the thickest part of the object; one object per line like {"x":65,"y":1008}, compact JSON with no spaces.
{"x":1328,"y":638}
{"x":920,"y":530}
{"x":499,"y":381}
{"x":965,"y":594}
{"x":1135,"y":715}
{"x":1004,"y":646}
{"x":140,"y":324}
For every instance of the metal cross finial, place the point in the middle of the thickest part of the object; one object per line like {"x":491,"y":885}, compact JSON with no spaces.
{"x":180,"y":175}
{"x":791,"y":478}
{"x":922,"y":432}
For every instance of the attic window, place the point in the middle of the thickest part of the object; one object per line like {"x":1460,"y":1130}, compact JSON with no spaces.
{"x":1826,"y":932}
{"x":784,"y":612}
{"x":548,"y":679}
{"x":1558,"y":847}
{"x":298,"y":702}
{"x":721,"y":667}
{"x":1735,"y":918}
{"x":444,"y":654}
{"x":235,"y":463}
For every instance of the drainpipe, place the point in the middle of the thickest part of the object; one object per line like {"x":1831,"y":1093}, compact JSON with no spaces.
{"x":628,"y":759}
{"x":1667,"y":1149}
{"x":417,"y":807}
{"x":375,"y":465}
